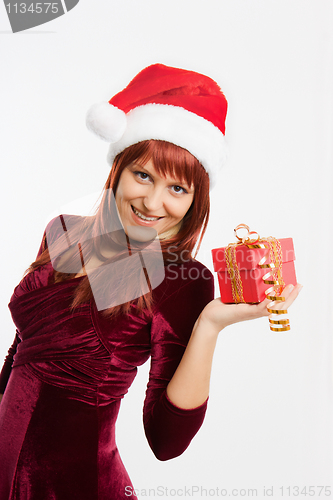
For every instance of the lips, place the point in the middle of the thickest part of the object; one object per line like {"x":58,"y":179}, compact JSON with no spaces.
{"x":145,"y":218}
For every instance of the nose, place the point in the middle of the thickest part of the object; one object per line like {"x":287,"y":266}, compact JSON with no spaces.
{"x":153,"y":201}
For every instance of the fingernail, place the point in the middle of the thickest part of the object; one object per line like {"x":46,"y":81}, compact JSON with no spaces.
{"x":299,"y":287}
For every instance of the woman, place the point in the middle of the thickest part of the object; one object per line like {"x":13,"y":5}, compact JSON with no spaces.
{"x":96,"y":304}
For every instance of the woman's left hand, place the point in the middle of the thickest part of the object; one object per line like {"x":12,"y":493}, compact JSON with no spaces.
{"x":219,"y":315}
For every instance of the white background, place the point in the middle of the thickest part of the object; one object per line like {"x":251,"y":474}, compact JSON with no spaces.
{"x":269,"y":421}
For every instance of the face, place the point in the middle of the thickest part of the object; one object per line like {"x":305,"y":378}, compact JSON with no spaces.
{"x":145,"y":200}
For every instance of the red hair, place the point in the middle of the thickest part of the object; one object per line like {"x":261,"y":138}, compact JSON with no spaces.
{"x":168,"y":159}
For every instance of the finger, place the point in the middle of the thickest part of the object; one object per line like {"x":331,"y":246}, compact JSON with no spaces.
{"x":293,"y":295}
{"x":290,"y":293}
{"x":280,"y":304}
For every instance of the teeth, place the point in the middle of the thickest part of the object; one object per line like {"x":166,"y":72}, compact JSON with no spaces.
{"x":139,"y":214}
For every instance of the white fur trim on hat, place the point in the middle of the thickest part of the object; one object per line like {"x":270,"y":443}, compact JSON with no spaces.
{"x":178,"y":126}
{"x":106,"y":121}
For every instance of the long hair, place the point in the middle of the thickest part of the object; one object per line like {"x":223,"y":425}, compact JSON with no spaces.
{"x":94,"y":231}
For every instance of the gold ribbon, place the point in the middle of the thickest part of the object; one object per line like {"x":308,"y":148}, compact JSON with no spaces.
{"x":273,"y":277}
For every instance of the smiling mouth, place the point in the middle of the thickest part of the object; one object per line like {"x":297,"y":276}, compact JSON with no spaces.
{"x":144,"y":217}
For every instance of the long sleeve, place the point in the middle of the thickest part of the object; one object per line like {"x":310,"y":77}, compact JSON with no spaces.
{"x":170,"y":429}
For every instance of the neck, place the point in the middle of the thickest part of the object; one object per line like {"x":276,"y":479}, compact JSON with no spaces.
{"x":171,"y":232}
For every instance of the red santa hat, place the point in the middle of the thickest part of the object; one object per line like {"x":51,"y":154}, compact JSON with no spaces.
{"x":169,"y":104}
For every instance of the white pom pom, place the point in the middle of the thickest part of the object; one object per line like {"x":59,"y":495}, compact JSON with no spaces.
{"x":106,"y":121}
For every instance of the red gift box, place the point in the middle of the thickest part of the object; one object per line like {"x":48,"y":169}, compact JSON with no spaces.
{"x":247,"y":274}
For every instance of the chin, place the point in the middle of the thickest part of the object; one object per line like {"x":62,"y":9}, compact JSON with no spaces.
{"x":140,"y":233}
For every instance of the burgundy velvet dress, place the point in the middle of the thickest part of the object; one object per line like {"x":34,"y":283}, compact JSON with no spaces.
{"x":67,"y":373}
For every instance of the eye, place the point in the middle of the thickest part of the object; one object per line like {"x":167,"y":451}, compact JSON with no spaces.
{"x":178,"y":189}
{"x":141,"y":175}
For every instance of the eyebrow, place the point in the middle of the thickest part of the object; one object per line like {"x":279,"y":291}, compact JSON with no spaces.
{"x":176,"y":181}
